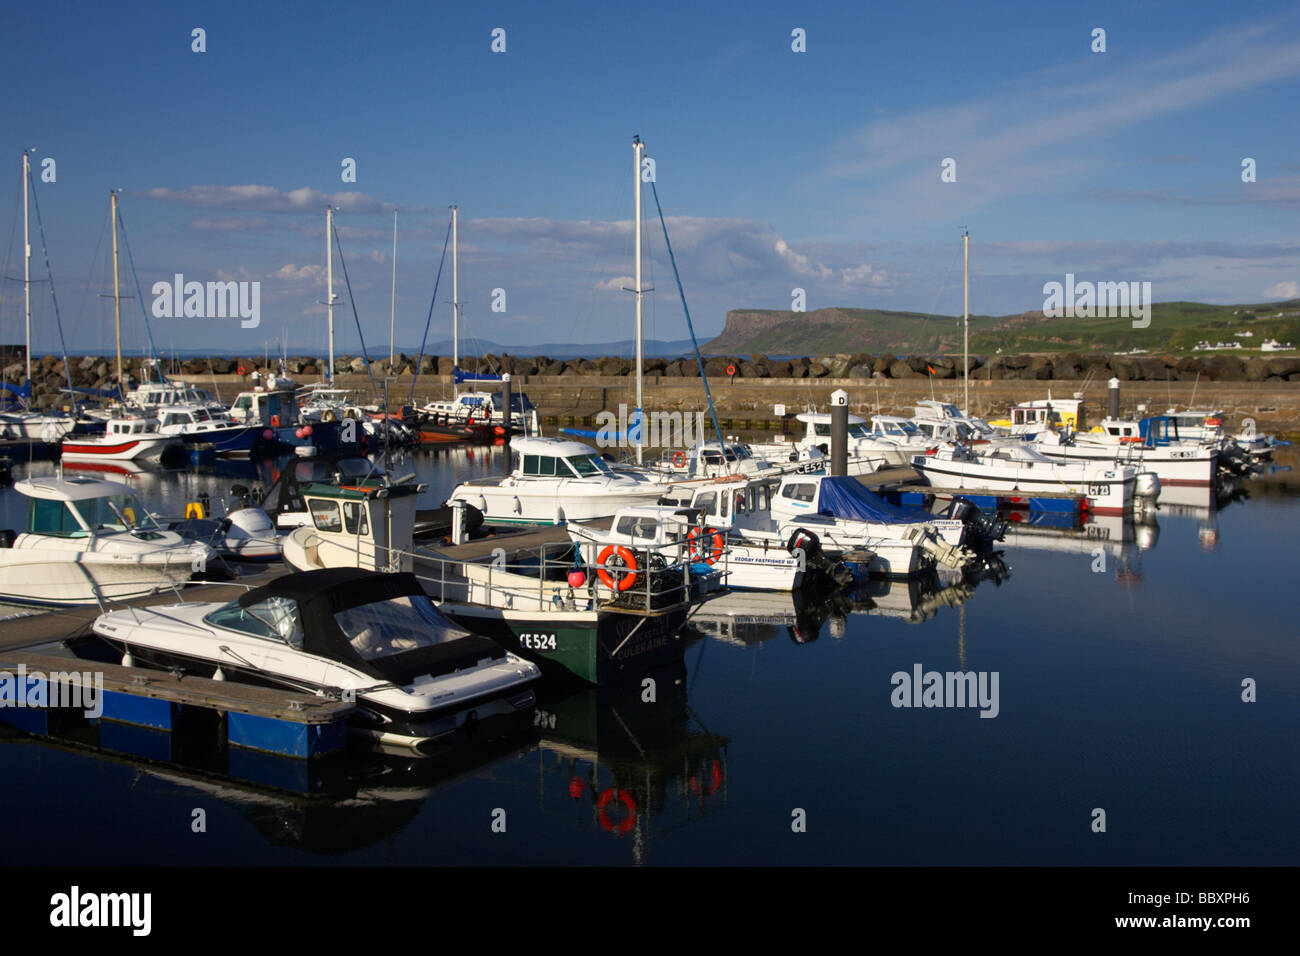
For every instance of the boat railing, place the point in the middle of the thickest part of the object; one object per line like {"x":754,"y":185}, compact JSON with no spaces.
{"x":662,"y":579}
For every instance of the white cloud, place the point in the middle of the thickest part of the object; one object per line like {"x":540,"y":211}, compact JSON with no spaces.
{"x":1283,"y":290}
{"x":616,"y":284}
{"x":266,"y":199}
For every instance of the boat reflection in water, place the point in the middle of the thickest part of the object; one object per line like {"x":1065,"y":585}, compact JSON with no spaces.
{"x":626,"y":768}
{"x":340,"y":804}
{"x":753,"y":617}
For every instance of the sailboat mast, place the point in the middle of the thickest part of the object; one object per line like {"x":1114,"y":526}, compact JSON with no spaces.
{"x":27,"y":268}
{"x":455,"y":297}
{"x":329,"y":282}
{"x":392,"y":313}
{"x":117,"y":296}
{"x":965,"y":324}
{"x":638,"y":150}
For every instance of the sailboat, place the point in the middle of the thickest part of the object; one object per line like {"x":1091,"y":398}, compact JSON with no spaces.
{"x":483,"y":412}
{"x":16,"y":419}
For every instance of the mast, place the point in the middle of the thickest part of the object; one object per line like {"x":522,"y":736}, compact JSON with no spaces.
{"x":638,"y":150}
{"x":392,"y":314}
{"x":27,"y":268}
{"x":329,"y":281}
{"x":965,"y":323}
{"x":455,"y":298}
{"x":117,"y":296}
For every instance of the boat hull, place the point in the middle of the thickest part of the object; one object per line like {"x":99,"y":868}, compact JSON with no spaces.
{"x":28,"y":576}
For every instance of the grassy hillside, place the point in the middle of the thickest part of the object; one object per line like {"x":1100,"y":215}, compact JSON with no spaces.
{"x":1175,"y":327}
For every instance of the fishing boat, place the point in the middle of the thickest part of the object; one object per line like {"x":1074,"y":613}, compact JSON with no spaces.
{"x":377,"y":638}
{"x":123,"y":439}
{"x":1151,"y":444}
{"x":552,"y":481}
{"x":195,"y":424}
{"x":545,"y":608}
{"x":87,"y":541}
{"x":1023,"y":476}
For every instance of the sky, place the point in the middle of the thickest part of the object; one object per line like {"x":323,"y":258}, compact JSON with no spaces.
{"x":778,"y":170}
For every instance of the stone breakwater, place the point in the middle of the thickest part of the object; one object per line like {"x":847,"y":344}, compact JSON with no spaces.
{"x":572,"y":391}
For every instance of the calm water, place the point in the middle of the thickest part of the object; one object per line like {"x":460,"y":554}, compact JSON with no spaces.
{"x":1118,"y":688}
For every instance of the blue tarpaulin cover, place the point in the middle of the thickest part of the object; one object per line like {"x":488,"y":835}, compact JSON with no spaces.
{"x":846,"y":497}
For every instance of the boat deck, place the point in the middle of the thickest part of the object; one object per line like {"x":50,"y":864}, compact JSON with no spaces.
{"x":21,"y":628}
{"x":512,"y":541}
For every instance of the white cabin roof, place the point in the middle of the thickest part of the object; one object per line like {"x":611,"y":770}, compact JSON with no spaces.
{"x":79,"y":488}
{"x":554,"y":447}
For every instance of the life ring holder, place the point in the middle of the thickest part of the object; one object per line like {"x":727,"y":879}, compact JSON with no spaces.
{"x":698,"y":540}
{"x":629,"y":561}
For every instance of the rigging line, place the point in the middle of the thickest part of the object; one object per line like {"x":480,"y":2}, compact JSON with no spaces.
{"x":689,"y":325}
{"x":90,"y":275}
{"x":420,"y":361}
{"x":356,"y":318}
{"x":49,"y":270}
{"x":13,"y":232}
{"x":162,"y":378}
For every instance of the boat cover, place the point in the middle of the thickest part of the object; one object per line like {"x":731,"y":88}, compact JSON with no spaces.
{"x":846,"y":497}
{"x":320,"y":595}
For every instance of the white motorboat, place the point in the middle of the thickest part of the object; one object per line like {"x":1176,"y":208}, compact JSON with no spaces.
{"x":1151,"y":444}
{"x":552,"y":481}
{"x":88,"y":541}
{"x":378,"y":638}
{"x":1023,"y":470}
{"x":866,"y":451}
{"x":123,"y":439}
{"x":835,"y":518}
{"x":198,"y":423}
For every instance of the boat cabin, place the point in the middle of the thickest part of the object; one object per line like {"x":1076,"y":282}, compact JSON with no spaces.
{"x":367,"y":525}
{"x":552,"y":458}
{"x":83,"y":506}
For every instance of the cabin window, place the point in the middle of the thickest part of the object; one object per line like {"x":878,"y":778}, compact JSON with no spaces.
{"x":113,"y":512}
{"x":821,"y":430}
{"x":588,"y":465}
{"x":354,"y":518}
{"x":52,"y":517}
{"x":542,"y":466}
{"x":711,"y":458}
{"x":802,"y":492}
{"x":325,"y":515}
{"x":516,"y":462}
{"x":243,"y":403}
{"x":531,"y":466}
{"x":707,"y":502}
{"x":638,"y":527}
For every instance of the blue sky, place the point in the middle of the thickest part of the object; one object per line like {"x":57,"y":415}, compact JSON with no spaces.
{"x":818,"y":170}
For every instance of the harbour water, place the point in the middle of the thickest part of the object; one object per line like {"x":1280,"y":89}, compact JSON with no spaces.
{"x":1118,"y":663}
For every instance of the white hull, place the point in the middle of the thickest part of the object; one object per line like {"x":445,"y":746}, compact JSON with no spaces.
{"x":1109,"y":490}
{"x":55,"y":578}
{"x":1173,"y":466}
{"x":95,"y":448}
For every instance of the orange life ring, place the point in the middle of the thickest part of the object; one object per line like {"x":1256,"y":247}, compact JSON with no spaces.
{"x":700,"y":550}
{"x":602,"y":810}
{"x":679,"y":459}
{"x":275,"y":421}
{"x":1131,"y":440}
{"x":629,"y":561}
